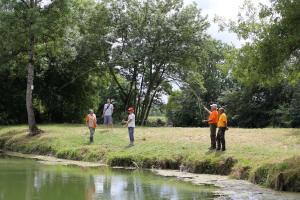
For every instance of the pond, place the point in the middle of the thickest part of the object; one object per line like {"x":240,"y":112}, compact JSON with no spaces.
{"x":25,"y":179}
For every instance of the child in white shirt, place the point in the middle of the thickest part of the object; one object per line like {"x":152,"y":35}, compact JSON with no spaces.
{"x":130,"y":123}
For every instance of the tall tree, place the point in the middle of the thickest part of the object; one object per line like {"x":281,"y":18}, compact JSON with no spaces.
{"x":25,"y":27}
{"x":31,"y":6}
{"x":267,"y":66}
{"x":271,"y":53}
{"x":152,"y":42}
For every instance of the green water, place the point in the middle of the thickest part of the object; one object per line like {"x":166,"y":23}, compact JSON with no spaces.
{"x":22,"y":179}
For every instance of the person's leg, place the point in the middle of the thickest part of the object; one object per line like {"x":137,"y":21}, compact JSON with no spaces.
{"x":105,"y":121}
{"x":223,"y":139}
{"x":110,"y":120}
{"x":213,"y":129}
{"x":130,"y":132}
{"x":132,"y":136}
{"x":219,"y":139}
{"x":92,"y":131}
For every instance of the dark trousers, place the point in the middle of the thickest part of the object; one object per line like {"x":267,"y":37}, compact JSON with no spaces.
{"x":92,"y":131}
{"x":221,"y":138}
{"x":213,"y":130}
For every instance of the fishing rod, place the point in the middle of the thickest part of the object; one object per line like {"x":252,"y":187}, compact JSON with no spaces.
{"x":199,"y":100}
{"x":80,"y":75}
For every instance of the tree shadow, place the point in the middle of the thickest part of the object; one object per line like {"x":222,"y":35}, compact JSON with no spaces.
{"x":13,"y":133}
{"x":219,"y":153}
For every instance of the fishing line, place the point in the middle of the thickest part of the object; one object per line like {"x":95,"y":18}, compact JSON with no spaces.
{"x":199,"y":101}
{"x":80,"y":75}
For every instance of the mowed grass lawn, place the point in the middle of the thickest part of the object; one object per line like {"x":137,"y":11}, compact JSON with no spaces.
{"x":251,"y":147}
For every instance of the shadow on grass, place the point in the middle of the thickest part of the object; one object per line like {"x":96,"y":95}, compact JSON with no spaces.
{"x":219,"y":153}
{"x":13,"y":133}
{"x":103,"y":131}
{"x":295,"y":132}
{"x":215,"y":152}
{"x":128,"y":146}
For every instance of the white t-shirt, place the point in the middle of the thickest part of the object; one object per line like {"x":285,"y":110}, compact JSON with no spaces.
{"x":108,"y":109}
{"x":91,"y":119}
{"x":132,"y":122}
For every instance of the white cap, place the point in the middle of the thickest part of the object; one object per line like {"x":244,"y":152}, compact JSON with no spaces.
{"x":214,"y":105}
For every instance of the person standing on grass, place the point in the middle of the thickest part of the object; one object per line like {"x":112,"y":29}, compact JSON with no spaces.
{"x":222,"y":125}
{"x":91,"y":122}
{"x":130,"y":123}
{"x":107,"y":113}
{"x":212,"y":121}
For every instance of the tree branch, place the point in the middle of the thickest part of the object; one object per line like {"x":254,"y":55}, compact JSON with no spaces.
{"x":117,"y":82}
{"x":25,"y":3}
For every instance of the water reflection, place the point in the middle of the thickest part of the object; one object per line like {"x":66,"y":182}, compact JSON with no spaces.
{"x":26,"y":179}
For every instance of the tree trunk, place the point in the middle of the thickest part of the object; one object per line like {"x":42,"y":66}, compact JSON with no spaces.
{"x":144,"y":106}
{"x":147,"y":110}
{"x":33,"y":130}
{"x":138,"y":104}
{"x":148,"y":103}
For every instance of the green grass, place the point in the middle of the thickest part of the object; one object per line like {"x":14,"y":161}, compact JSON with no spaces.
{"x":248,"y":150}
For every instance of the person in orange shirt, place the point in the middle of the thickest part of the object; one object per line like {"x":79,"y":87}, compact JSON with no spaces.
{"x":91,"y":123}
{"x":212,"y":121}
{"x":222,"y":125}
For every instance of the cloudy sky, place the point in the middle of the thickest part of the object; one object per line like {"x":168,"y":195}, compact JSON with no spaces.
{"x":227,"y":9}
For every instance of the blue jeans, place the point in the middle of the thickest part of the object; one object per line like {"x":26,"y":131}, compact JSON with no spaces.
{"x":131,"y":133}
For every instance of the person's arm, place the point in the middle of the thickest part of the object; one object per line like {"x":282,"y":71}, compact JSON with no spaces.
{"x":225,"y":122}
{"x":104,"y":109}
{"x":214,"y":118}
{"x":128,"y":121}
{"x":206,"y":109}
{"x":87,"y":120}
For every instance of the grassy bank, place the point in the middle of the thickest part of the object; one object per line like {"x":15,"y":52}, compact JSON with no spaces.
{"x":269,"y":157}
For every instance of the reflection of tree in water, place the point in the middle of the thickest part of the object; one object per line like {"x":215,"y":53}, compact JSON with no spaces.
{"x":41,"y":183}
{"x":90,"y":188}
{"x":118,"y":187}
{"x":49,"y":185}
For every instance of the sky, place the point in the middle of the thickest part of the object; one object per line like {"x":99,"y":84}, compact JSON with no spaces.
{"x":227,"y":9}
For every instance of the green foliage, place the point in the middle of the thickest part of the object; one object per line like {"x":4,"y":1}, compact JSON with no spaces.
{"x":273,"y":53}
{"x":200,"y":85}
{"x":152,"y":42}
{"x":266,"y":68}
{"x":279,"y":176}
{"x":67,"y":58}
{"x":135,"y":51}
{"x":12,"y":109}
{"x":295,"y":107}
{"x":257,"y":107}
{"x":184,"y":109}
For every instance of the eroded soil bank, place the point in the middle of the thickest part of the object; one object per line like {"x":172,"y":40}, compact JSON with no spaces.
{"x":234,"y":189}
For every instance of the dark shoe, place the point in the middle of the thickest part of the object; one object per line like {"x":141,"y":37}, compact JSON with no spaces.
{"x":211,"y":148}
{"x":218,"y":149}
{"x":130,"y":145}
{"x":91,"y":139}
{"x":223,"y":149}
